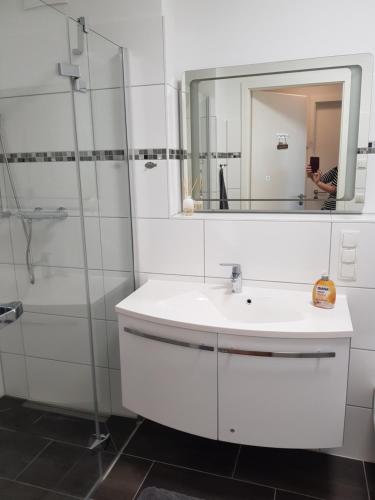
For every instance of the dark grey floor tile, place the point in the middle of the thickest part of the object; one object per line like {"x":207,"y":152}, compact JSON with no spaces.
{"x":286,"y":495}
{"x":305,"y":472}
{"x":120,"y":429}
{"x":204,"y":486}
{"x":72,"y":430}
{"x":52,"y":465}
{"x":10,"y":490}
{"x":85,"y":473}
{"x":7,"y":402}
{"x":124,"y":480}
{"x":19,"y":417}
{"x":162,"y":444}
{"x":370,"y":472}
{"x":17,"y":449}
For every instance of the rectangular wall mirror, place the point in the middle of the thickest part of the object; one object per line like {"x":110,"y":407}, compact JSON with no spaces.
{"x":278,"y":137}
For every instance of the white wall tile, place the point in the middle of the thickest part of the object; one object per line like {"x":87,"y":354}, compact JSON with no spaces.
{"x":53,"y":114}
{"x":169,"y":246}
{"x":113,"y":186}
{"x":174,"y":186}
{"x":142,"y":278}
{"x":286,"y":251}
{"x":11,"y":338}
{"x":6,"y":256}
{"x":63,"y":338}
{"x":8,"y":290}
{"x":89,"y":182}
{"x":361,"y":388}
{"x":234,"y":173}
{"x":36,"y":49}
{"x":56,"y":290}
{"x":14,"y":371}
{"x":150,"y":189}
{"x":172,"y":117}
{"x":365,"y":270}
{"x":117,"y":286}
{"x":49,"y":242}
{"x":145,"y":54}
{"x":108,"y":119}
{"x":84,"y":117}
{"x":66,"y":384}
{"x":116,"y":396}
{"x":96,"y":287}
{"x":117,"y":244}
{"x":359,"y":436}
{"x":93,"y":243}
{"x":113,"y":345}
{"x":370,"y":184}
{"x":58,"y":189}
{"x":147,"y":116}
{"x":361,"y":304}
{"x":105,"y":62}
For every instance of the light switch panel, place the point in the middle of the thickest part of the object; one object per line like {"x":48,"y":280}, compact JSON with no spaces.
{"x":347,"y":272}
{"x":349,"y":239}
{"x":348,"y":255}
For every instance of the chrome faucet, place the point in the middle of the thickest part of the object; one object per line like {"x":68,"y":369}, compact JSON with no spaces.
{"x":236,"y":277}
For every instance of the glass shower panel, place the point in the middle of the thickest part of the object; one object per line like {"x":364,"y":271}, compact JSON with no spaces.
{"x":105,"y":179}
{"x":47,"y":356}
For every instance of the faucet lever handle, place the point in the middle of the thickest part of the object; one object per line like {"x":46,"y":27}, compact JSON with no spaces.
{"x":236,"y":268}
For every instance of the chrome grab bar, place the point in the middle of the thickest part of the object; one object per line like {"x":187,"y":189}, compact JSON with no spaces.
{"x":279,"y":354}
{"x":137,"y":333}
{"x":10,"y":312}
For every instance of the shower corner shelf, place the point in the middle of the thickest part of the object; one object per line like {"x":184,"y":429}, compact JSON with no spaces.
{"x":43,"y":214}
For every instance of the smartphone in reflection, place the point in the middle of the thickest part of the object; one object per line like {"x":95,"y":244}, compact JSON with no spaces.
{"x":314,"y":163}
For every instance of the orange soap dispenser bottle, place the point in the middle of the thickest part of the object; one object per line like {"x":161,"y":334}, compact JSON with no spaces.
{"x":324,"y":293}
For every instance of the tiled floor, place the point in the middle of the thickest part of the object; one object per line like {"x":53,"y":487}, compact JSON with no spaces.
{"x":160,"y":457}
{"x":43,"y":456}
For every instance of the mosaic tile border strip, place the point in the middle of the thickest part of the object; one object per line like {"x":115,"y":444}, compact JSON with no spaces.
{"x":204,"y":156}
{"x":135,"y":154}
{"x":96,"y":155}
{"x":58,"y":156}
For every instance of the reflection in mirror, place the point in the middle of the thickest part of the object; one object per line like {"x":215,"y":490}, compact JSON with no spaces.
{"x":258,"y":144}
{"x":277,"y":137}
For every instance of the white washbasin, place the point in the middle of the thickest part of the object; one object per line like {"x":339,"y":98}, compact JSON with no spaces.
{"x":269,"y":312}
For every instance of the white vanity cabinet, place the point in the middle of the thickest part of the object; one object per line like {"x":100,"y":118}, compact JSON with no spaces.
{"x":169,"y":375}
{"x":282,"y":392}
{"x":203,"y":360}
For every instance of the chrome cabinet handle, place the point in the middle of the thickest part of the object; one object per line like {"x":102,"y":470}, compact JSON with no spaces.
{"x":137,"y":333}
{"x":279,"y":354}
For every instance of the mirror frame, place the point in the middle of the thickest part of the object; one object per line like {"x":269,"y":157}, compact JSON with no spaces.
{"x":361,"y":67}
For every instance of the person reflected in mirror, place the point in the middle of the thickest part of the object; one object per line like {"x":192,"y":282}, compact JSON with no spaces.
{"x":325,"y":182}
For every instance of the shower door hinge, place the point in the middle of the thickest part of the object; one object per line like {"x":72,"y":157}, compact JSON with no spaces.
{"x":74,"y":72}
{"x":99,"y":441}
{"x":81,"y":30}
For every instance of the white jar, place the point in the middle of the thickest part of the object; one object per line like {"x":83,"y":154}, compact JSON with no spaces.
{"x":188,"y":205}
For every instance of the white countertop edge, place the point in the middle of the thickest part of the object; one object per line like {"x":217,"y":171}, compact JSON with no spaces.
{"x":279,"y":217}
{"x":233,"y":331}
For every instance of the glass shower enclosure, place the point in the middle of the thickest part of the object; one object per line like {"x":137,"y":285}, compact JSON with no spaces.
{"x":65,"y":242}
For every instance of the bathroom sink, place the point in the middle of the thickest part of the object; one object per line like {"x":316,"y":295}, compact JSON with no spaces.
{"x":255,"y":306}
{"x":255,"y":311}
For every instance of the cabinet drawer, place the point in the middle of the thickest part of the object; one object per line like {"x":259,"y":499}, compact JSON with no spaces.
{"x":282,"y":392}
{"x":169,"y":375}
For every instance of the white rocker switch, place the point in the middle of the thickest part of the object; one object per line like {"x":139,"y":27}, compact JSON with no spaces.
{"x":348,"y":255}
{"x":347,"y":272}
{"x":350,"y":239}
